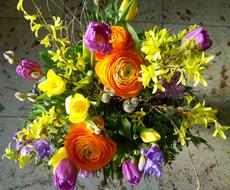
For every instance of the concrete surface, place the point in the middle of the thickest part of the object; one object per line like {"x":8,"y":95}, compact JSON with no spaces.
{"x":213,"y":166}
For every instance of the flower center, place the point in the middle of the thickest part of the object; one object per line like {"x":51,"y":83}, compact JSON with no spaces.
{"x":100,"y":39}
{"x":79,"y":106}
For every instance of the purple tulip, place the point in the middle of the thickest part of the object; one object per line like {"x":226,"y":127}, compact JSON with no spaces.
{"x":97,"y":37}
{"x":42,"y":148}
{"x":65,"y":175}
{"x":131,"y":172}
{"x":29,"y":69}
{"x":85,"y":174}
{"x":155,"y":159}
{"x":171,"y":88}
{"x":201,"y":38}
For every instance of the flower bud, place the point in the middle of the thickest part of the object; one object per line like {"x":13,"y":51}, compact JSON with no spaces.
{"x":141,"y":163}
{"x":65,"y":175}
{"x":112,"y":92}
{"x":130,"y":172}
{"x":201,"y":38}
{"x":97,"y":37}
{"x":32,"y":97}
{"x":106,"y":89}
{"x":149,"y":135}
{"x":129,"y":108}
{"x":134,"y":101}
{"x":29,"y":69}
{"x":105,"y":98}
{"x":20,"y":96}
{"x":132,"y":9}
{"x":90,"y":73}
{"x":9,"y":56}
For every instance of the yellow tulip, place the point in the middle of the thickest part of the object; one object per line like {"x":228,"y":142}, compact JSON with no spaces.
{"x":77,"y":108}
{"x":53,"y":85}
{"x":149,"y":135}
{"x":57,"y":158}
{"x":132,"y":9}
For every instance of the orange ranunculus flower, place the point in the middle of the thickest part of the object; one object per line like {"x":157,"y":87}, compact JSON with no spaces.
{"x":120,"y":71}
{"x":87,"y":150}
{"x":121,"y":39}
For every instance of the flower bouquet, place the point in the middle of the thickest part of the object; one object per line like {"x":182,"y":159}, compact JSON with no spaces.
{"x":116,"y":101}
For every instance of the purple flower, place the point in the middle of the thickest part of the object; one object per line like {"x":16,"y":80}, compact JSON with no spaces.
{"x":42,"y":148}
{"x":155,"y":159}
{"x":30,"y":70}
{"x":65,"y":175}
{"x":131,"y":172}
{"x":171,"y":88}
{"x":85,"y":174}
{"x":97,"y":37}
{"x":201,"y":38}
{"x":22,"y":145}
{"x":25,"y":149}
{"x":152,"y":169}
{"x":155,"y":155}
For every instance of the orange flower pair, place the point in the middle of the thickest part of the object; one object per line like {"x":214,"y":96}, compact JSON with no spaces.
{"x":119,"y":70}
{"x":87,"y":150}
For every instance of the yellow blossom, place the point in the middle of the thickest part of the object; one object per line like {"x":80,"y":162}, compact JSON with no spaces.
{"x":132,"y":9}
{"x":53,"y":85}
{"x":77,"y":108}
{"x":57,"y":158}
{"x":149,"y":135}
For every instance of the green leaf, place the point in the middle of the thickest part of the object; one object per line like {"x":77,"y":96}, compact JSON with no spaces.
{"x":134,"y":35}
{"x":46,"y":57}
{"x":125,"y":128}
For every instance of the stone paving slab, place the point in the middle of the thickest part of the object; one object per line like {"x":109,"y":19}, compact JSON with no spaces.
{"x":8,"y":8}
{"x":207,"y":12}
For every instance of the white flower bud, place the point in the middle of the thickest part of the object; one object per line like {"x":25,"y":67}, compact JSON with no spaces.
{"x":32,"y":97}
{"x":90,"y":73}
{"x":112,"y":92}
{"x":129,"y":108}
{"x":141,"y":163}
{"x":106,"y":89}
{"x":126,"y":102}
{"x":9,"y":56}
{"x":134,"y":101}
{"x":20,"y":96}
{"x":105,"y":98}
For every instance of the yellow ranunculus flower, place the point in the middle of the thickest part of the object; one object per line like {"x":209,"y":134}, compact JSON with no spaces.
{"x":132,"y":9}
{"x":149,"y":135}
{"x":53,"y":85}
{"x":77,"y":108}
{"x":57,"y":158}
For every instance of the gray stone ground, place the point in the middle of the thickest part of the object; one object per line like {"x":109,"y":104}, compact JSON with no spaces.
{"x":213,"y":166}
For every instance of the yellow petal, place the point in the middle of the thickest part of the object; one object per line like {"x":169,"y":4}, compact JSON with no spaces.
{"x":149,"y":135}
{"x":43,"y":85}
{"x":57,"y":158}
